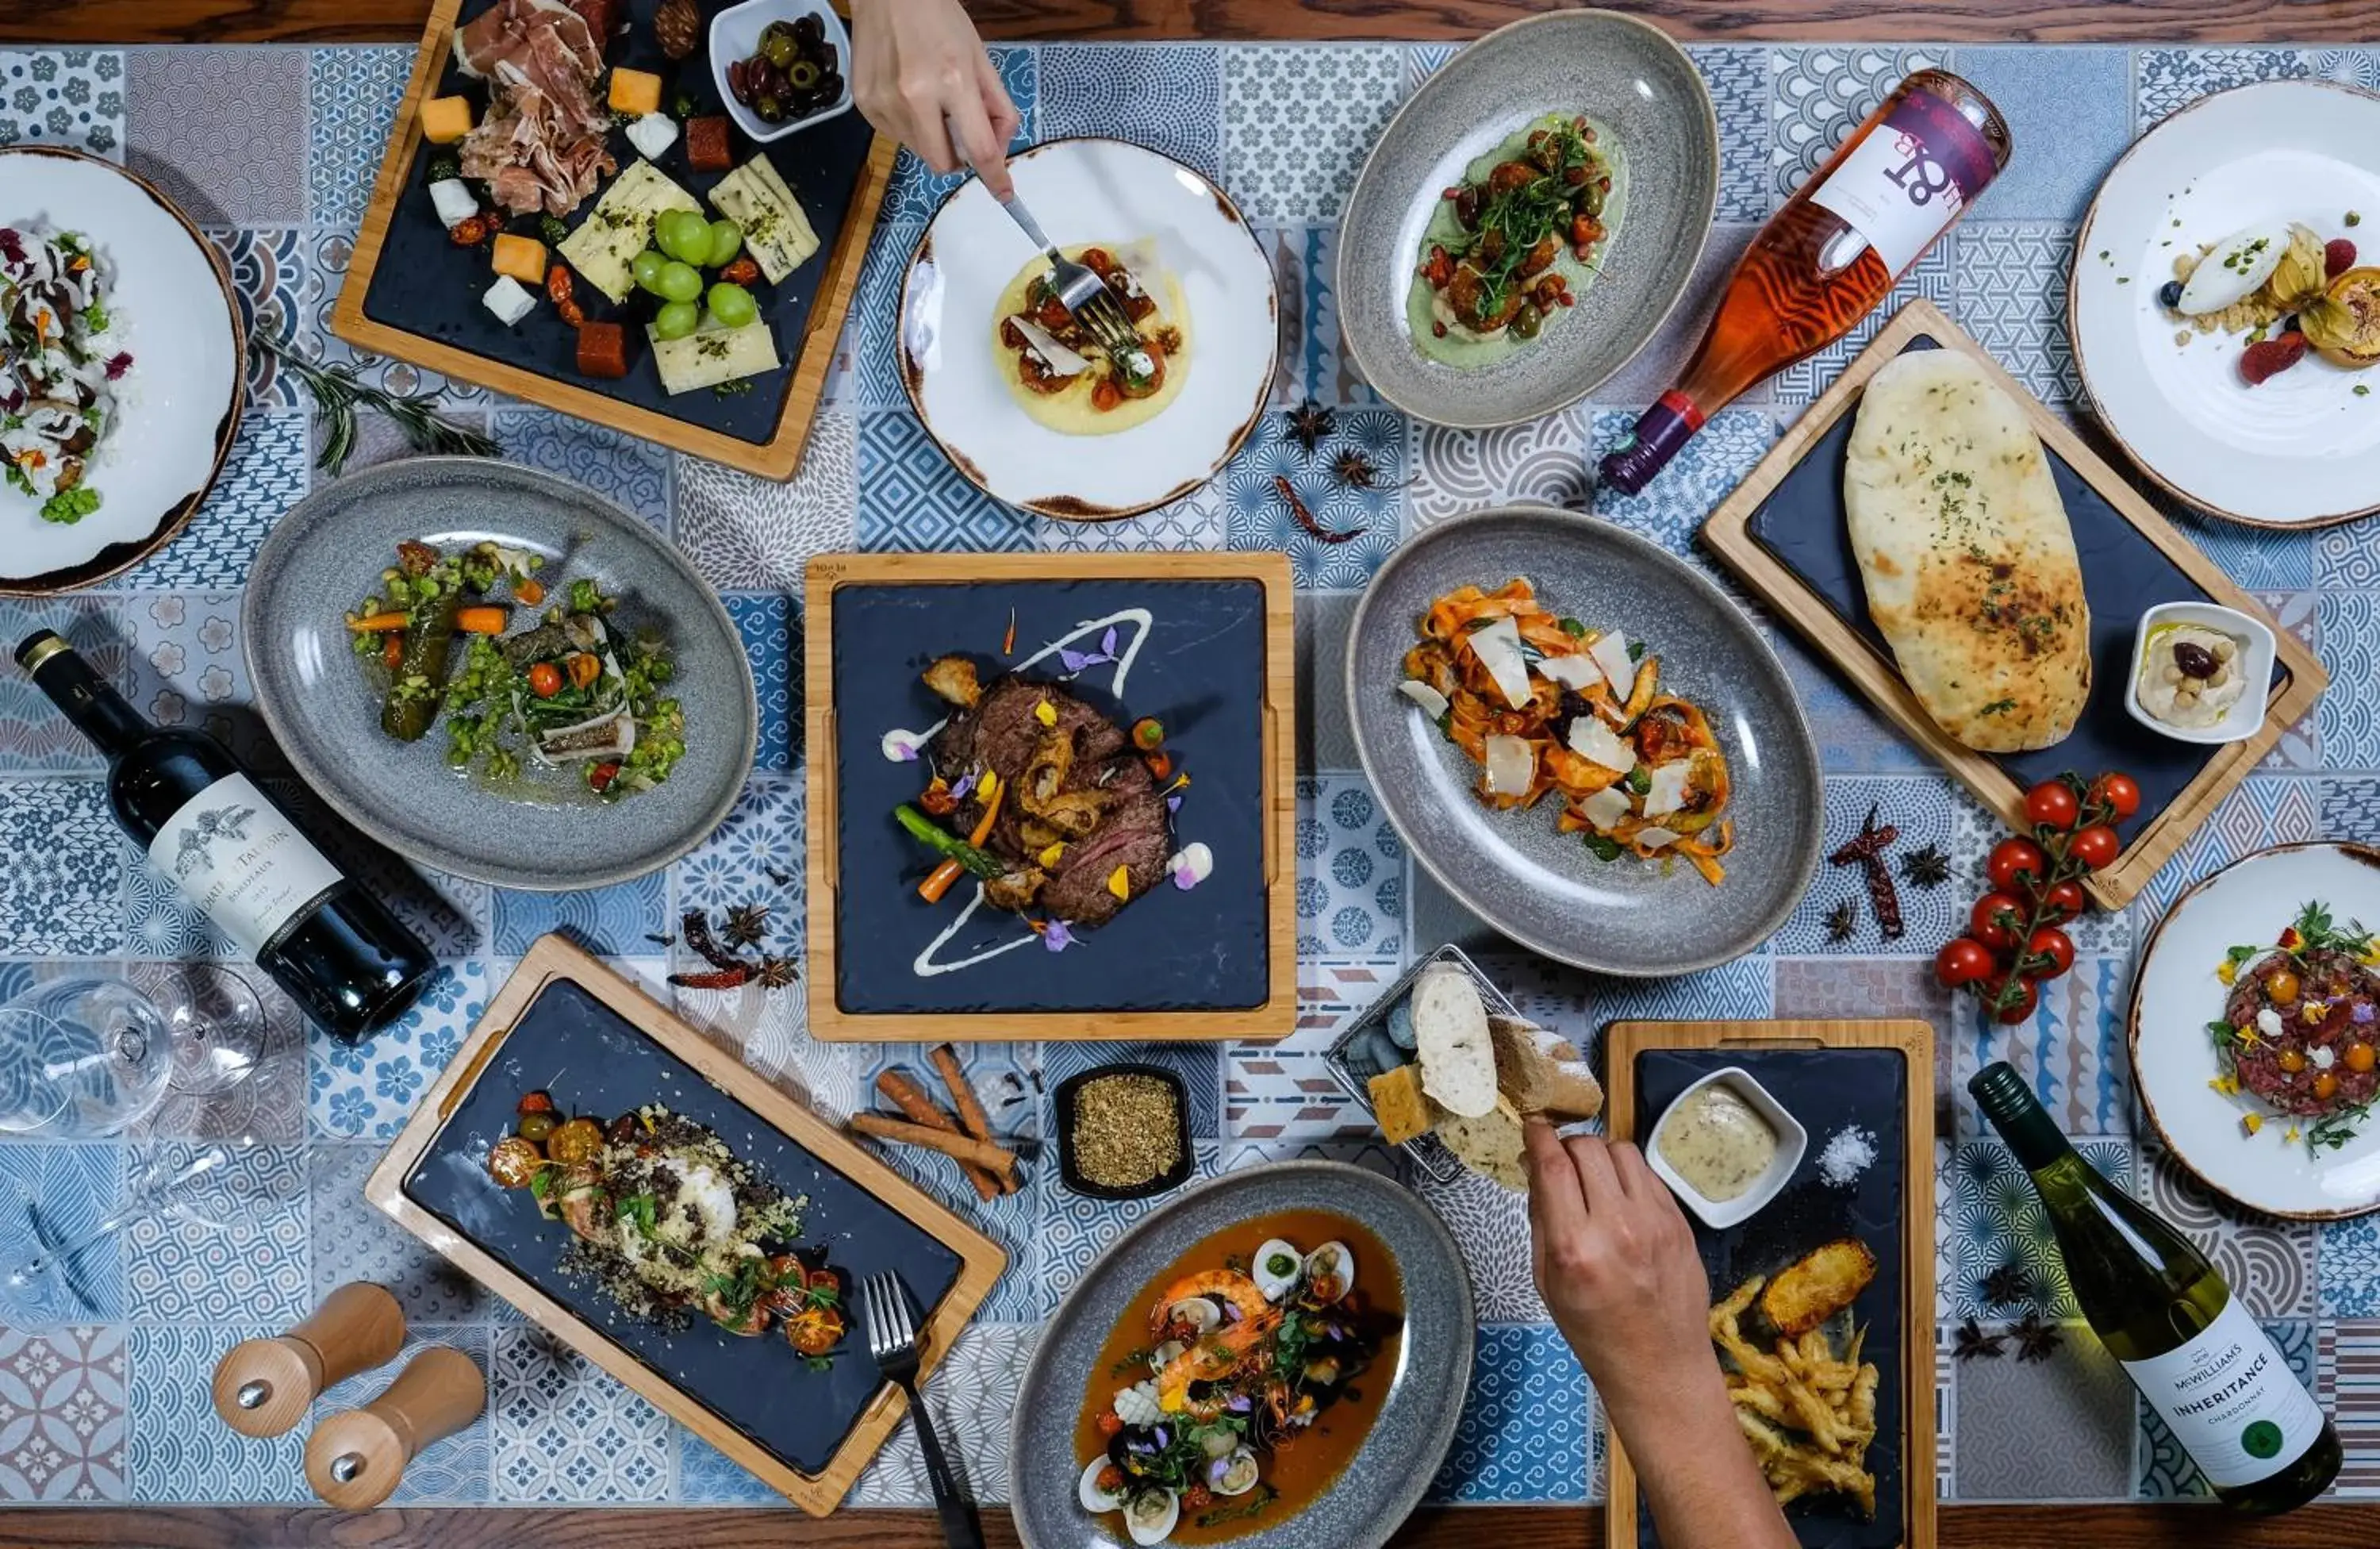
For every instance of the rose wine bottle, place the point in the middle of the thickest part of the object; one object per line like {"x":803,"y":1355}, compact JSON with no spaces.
{"x":347,"y":962}
{"x":1830,"y":255}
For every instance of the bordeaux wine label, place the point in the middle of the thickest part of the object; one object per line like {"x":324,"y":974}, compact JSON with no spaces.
{"x":242,"y":861}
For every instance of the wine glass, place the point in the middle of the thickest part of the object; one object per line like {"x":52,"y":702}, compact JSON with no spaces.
{"x":42,"y":1279}
{"x":83,"y":1059}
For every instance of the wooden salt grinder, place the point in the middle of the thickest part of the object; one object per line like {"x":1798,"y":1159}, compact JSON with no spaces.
{"x":264,"y":1387}
{"x":355,"y":1457}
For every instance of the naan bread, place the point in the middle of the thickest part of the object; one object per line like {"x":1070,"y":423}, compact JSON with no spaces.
{"x":1966,"y":553}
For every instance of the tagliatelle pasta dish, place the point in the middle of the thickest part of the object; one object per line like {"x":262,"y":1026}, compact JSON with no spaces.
{"x":1543,"y":704}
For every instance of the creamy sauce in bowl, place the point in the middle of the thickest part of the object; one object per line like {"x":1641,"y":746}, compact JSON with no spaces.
{"x":2190,"y":676}
{"x":1717,"y":1141}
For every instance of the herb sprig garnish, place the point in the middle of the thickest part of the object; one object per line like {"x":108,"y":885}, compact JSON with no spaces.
{"x":1521,"y":216}
{"x":337,"y":391}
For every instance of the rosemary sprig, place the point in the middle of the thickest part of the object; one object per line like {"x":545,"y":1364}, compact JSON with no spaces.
{"x":337,"y":391}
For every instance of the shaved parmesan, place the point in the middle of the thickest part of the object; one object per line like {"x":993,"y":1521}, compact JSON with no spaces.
{"x":1060,"y":360}
{"x":1433,"y":703}
{"x":1606,"y":808}
{"x":1512,"y":765}
{"x":1668,"y":792}
{"x":1572,"y":672}
{"x":1656,"y":838}
{"x":1498,"y":648}
{"x":1610,"y":653}
{"x":1598,"y":743}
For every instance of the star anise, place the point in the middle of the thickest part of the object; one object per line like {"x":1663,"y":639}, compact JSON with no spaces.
{"x":1309,"y":422}
{"x":2007,"y":1285}
{"x":2037,"y":1340}
{"x":1973,"y":1342}
{"x":776,"y":974}
{"x":747,"y":923}
{"x":776,"y":876}
{"x":1843,"y":921}
{"x":1355,"y":469}
{"x":1925,"y":866}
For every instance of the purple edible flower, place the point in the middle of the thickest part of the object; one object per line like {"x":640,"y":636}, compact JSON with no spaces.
{"x":1172,"y":803}
{"x":963,"y":785}
{"x":2362,"y":1014}
{"x":1182,"y":879}
{"x":905,"y":751}
{"x":1073,"y":660}
{"x":1108,"y":643}
{"x":118,"y":363}
{"x":1056,"y":937}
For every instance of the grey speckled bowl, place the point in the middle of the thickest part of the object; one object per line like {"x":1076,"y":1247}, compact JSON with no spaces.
{"x":327,"y":554}
{"x":1514,"y":869}
{"x":1621,"y":72}
{"x":1384,"y":1482}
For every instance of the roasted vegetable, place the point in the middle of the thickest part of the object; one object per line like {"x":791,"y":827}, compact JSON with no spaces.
{"x":420,"y":680}
{"x":944,"y":842}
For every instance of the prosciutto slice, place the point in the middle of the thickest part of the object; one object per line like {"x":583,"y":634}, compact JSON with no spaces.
{"x":540,"y":147}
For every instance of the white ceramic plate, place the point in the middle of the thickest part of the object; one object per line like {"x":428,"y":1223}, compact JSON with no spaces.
{"x":2302,"y":450}
{"x":1105,"y":191}
{"x":2175,"y":994}
{"x":178,"y":406}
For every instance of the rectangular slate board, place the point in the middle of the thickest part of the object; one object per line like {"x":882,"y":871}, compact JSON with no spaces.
{"x":1826,"y":1090}
{"x":1202,"y":672}
{"x":595,"y":1061}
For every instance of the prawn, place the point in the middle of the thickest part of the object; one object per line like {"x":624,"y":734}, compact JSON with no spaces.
{"x":1226,"y":1286}
{"x":1210,"y":1358}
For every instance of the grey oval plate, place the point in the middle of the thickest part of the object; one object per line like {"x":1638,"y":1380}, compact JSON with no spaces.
{"x":1388,"y":1473}
{"x":1618,"y":71}
{"x":328,"y":552}
{"x":1541,"y":888}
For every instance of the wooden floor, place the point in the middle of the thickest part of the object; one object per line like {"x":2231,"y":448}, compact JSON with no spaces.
{"x":2135,"y":22}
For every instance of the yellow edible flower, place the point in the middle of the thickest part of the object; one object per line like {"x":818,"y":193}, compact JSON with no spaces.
{"x":2314,"y":1012}
{"x":1050,"y":856}
{"x":2228,"y":971}
{"x":2227,"y":1085}
{"x":2289,"y":1136}
{"x":2252,"y":1122}
{"x":1120,"y":884}
{"x":985,"y":788}
{"x":1046,"y":713}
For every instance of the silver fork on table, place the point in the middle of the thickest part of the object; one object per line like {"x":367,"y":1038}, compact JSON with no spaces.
{"x":1079,"y":290}
{"x":892,"y":1340}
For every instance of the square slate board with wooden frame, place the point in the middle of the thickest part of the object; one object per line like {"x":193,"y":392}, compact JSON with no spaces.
{"x":1828,"y":1075}
{"x":566,"y":1024}
{"x":413,"y":295}
{"x":1783,"y":532}
{"x":1207,"y":643}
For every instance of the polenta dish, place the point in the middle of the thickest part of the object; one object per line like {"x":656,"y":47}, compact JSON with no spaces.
{"x":1058,"y":373}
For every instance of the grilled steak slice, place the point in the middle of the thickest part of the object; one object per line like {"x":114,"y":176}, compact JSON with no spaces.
{"x":1137,"y":835}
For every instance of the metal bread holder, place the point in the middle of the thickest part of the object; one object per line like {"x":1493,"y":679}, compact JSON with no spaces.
{"x":1365,"y":1050}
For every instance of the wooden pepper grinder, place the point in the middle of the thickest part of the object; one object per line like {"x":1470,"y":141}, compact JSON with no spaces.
{"x":355,"y":1457}
{"x":264,"y":1387}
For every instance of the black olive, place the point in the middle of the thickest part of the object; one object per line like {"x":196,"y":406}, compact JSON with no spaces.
{"x":809,"y":29}
{"x":2194,"y":660}
{"x":624,"y":1130}
{"x":2169,"y":295}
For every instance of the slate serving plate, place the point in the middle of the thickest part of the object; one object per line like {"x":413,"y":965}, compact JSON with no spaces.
{"x":596,"y":1061}
{"x":1826,"y":1090}
{"x":1534,"y":884}
{"x":1388,"y":1473}
{"x":1203,"y":655}
{"x":327,"y":553}
{"x":412,"y":286}
{"x":2124,"y":575}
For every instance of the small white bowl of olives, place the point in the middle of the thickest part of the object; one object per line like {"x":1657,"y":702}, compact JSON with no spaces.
{"x":781,"y":66}
{"x":2201,"y":672}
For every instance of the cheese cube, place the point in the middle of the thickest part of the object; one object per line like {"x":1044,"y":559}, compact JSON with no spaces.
{"x":521,"y":257}
{"x":508,"y":300}
{"x":654,"y":134}
{"x":446,"y":120}
{"x":453,"y":201}
{"x":637,"y":92}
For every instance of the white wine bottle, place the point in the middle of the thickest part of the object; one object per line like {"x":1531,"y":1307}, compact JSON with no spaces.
{"x":2204,"y":1364}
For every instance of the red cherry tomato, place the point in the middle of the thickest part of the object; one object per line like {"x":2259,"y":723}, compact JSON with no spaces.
{"x":545,"y":680}
{"x":2051,"y":804}
{"x":1984,"y":922}
{"x":2016,"y":865}
{"x":2095,"y":846}
{"x":2022,"y":1002}
{"x":2064,"y":901}
{"x":1963,"y":960}
{"x":2119,"y":793}
{"x":2050,"y":942}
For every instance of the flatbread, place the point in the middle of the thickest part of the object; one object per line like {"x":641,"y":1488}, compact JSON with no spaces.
{"x":1966,"y":553}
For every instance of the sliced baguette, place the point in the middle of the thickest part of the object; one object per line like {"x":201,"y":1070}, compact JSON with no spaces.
{"x":1458,"y":1064}
{"x":1541,"y":1072}
{"x":1488,"y":1144}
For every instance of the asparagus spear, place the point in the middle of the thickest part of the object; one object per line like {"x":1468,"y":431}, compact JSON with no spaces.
{"x":949,"y":846}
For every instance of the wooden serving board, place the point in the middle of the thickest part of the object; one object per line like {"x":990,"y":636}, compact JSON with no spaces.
{"x":2132,"y":557}
{"x":1216,"y":662}
{"x":600,"y":1044}
{"x":761,"y":432}
{"x":1786,"y":1057}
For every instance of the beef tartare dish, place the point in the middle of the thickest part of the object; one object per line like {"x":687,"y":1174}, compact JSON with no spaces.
{"x":2298,"y":1028}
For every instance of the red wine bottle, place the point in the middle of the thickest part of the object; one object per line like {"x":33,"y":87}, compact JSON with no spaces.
{"x":342,"y":956}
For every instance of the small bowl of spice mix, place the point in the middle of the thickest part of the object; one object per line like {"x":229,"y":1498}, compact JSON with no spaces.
{"x":1123,"y":1131}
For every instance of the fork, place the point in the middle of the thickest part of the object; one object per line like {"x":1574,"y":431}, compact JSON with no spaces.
{"x":892,"y":1340}
{"x":1079,"y":290}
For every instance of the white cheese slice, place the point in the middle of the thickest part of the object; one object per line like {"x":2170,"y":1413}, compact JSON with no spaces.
{"x":1668,"y":792}
{"x":1499,"y":649}
{"x":453,"y":201}
{"x":621,"y":227}
{"x":1606,"y":808}
{"x":711,"y":354}
{"x":508,"y":299}
{"x":776,"y":233}
{"x":652,"y":134}
{"x":1610,"y":653}
{"x":1598,"y":743}
{"x":1512,"y":765}
{"x":2268,"y":1022}
{"x":1656,"y":838}
{"x":1433,"y":703}
{"x":1577,"y":671}
{"x":1060,"y":360}
{"x":2323,"y":1056}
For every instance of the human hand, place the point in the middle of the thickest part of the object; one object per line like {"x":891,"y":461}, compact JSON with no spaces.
{"x":920,"y":73}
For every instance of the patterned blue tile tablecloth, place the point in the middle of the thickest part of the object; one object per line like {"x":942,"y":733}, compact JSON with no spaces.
{"x":271,"y":150}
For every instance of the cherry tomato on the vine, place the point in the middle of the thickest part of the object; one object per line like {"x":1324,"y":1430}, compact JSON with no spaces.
{"x":2119,"y":793}
{"x":2095,"y":846}
{"x":1963,"y":960}
{"x":2017,"y":865}
{"x":2022,"y":1000}
{"x":2050,"y":942}
{"x":1985,"y":924}
{"x":2063,"y":901}
{"x":2051,"y":804}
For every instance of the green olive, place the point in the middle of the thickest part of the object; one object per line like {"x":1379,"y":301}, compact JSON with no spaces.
{"x":1527,"y":321}
{"x":801,"y":75}
{"x":537,"y":1127}
{"x":779,"y":50}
